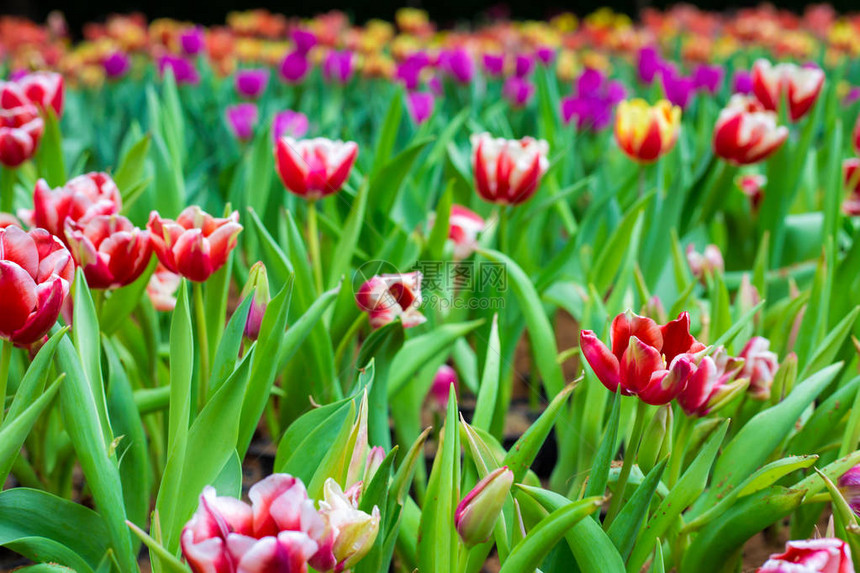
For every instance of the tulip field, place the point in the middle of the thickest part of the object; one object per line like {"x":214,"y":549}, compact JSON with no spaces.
{"x":290,"y":295}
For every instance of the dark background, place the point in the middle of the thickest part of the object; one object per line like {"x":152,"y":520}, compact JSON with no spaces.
{"x":445,"y":12}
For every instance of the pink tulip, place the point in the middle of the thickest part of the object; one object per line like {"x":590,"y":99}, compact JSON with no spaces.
{"x":162,"y":287}
{"x":477,"y":513}
{"x":258,"y":287}
{"x":242,"y":118}
{"x":647,"y":360}
{"x":196,"y":244}
{"x":707,"y":263}
{"x":753,"y":187}
{"x":746,"y":133}
{"x":349,"y":533}
{"x":710,"y":382}
{"x":388,"y":297}
{"x":35,"y":273}
{"x":112,"y":251}
{"x":508,"y":171}
{"x":849,"y":484}
{"x":760,"y":366}
{"x":464,"y":227}
{"x":811,"y":556}
{"x":21,"y":127}
{"x":205,"y":538}
{"x":45,"y":89}
{"x":81,"y":199}
{"x":443,"y":380}
{"x":314,"y":168}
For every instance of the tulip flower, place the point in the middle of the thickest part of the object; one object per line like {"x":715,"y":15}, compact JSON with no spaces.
{"x":708,"y":78}
{"x":849,"y":484}
{"x":464,"y":227}
{"x":742,"y":82}
{"x":593,"y":101}
{"x":649,"y":64}
{"x":458,"y":64}
{"x":314,"y":168}
{"x":192,"y":41}
{"x":477,"y":513}
{"x":523,"y":65}
{"x":494,"y":64}
{"x":857,"y":136}
{"x":420,"y":106}
{"x":116,"y":64}
{"x":508,"y":171}
{"x":388,"y":297}
{"x":338,"y":66}
{"x":760,"y":365}
{"x":746,"y":133}
{"x":646,"y":360}
{"x":545,"y":55}
{"x":45,"y":89}
{"x":710,"y":384}
{"x":251,"y":83}
{"x":707,"y":263}
{"x":289,"y":123}
{"x":112,"y":251}
{"x":441,"y":387}
{"x":204,"y":538}
{"x":21,"y":126}
{"x":811,"y":556}
{"x":851,"y":177}
{"x":753,"y":187}
{"x":196,"y":244}
{"x":161,"y":288}
{"x":258,"y":287}
{"x":518,"y":91}
{"x":304,"y":40}
{"x":242,"y":119}
{"x":80,"y":199}
{"x":294,"y":67}
{"x":36,"y":270}
{"x":646,"y":132}
{"x":349,"y":532}
{"x":183,"y":70}
{"x":800,"y":86}
{"x":678,"y":89}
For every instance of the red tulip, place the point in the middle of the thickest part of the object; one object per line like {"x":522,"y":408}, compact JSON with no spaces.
{"x":464,"y":226}
{"x":857,"y":136}
{"x":81,"y":199}
{"x":314,"y":168}
{"x":646,"y":360}
{"x":851,"y":176}
{"x":508,"y":171}
{"x":45,"y":89}
{"x":21,"y":127}
{"x":388,"y":297}
{"x":799,"y":85}
{"x":752,"y":185}
{"x":196,"y":244}
{"x":441,"y":387}
{"x":112,"y":251}
{"x":746,"y":133}
{"x":811,"y":556}
{"x":35,"y":273}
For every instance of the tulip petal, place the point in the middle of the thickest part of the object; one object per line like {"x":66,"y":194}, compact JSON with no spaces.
{"x":19,"y":247}
{"x":50,"y":296}
{"x":629,"y":324}
{"x":640,"y":361}
{"x":602,"y":361}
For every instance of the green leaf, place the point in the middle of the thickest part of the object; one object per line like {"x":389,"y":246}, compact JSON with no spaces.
{"x":736,"y":328}
{"x":626,"y":526}
{"x":826,"y":351}
{"x":388,"y":131}
{"x":385,"y":184}
{"x":300,"y":329}
{"x":528,"y":554}
{"x":167,"y":561}
{"x":403,"y":477}
{"x":599,"y":476}
{"x":227,"y":354}
{"x":50,"y":153}
{"x":308,"y":439}
{"x":438,"y":542}
{"x":122,"y":301}
{"x":441,"y":224}
{"x":131,"y":167}
{"x":14,"y":431}
{"x":485,"y":405}
{"x":343,"y":253}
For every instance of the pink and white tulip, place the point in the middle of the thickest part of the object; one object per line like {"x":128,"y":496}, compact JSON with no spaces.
{"x":760,"y":366}
{"x":80,"y":199}
{"x":746,"y":132}
{"x":388,"y":297}
{"x":508,"y":171}
{"x":811,"y":556}
{"x":314,"y":168}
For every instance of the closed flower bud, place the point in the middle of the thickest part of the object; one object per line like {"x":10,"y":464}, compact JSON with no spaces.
{"x":251,"y":83}
{"x":242,"y":119}
{"x":707,"y":263}
{"x":657,"y":439}
{"x":257,"y":287}
{"x":760,"y":364}
{"x":441,"y":388}
{"x":477,"y":513}
{"x":350,"y":533}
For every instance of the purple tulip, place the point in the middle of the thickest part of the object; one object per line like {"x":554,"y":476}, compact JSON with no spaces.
{"x":678,"y":89}
{"x":304,"y":40}
{"x":338,"y":66}
{"x":524,"y":65}
{"x":709,"y":78}
{"x":420,"y":106}
{"x":435,"y":85}
{"x":459,"y":65}
{"x":116,"y":65}
{"x":289,"y":123}
{"x":242,"y":119}
{"x":650,"y":64}
{"x":409,"y":71}
{"x":593,"y":100}
{"x":184,"y":71}
{"x":852,"y":96}
{"x":251,"y":83}
{"x":192,"y":41}
{"x":494,"y":64}
{"x":589,"y":80}
{"x":545,"y":55}
{"x":18,"y":74}
{"x":742,"y":82}
{"x":518,"y":91}
{"x":294,"y":67}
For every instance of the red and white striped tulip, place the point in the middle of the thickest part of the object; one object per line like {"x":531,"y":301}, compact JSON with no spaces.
{"x":110,"y":249}
{"x":80,"y":199}
{"x":508,"y":171}
{"x":851,"y":177}
{"x":36,"y":270}
{"x":712,"y":383}
{"x":645,"y":132}
{"x":464,"y":227}
{"x":388,"y":297}
{"x":760,"y":366}
{"x":314,"y":168}
{"x":746,"y":132}
{"x":21,"y":126}
{"x":196,"y":244}
{"x":45,"y":89}
{"x":162,"y":288}
{"x":799,"y":85}
{"x":811,"y":556}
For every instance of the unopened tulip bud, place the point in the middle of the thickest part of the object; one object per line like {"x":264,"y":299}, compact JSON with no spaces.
{"x":657,"y":440}
{"x":478,"y":512}
{"x":351,"y":532}
{"x":760,"y":365}
{"x":849,"y":483}
{"x":439,"y":391}
{"x":258,"y":287}
{"x":374,"y":459}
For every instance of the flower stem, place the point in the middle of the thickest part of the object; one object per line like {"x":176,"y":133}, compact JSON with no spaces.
{"x":314,"y":245}
{"x":7,"y":188}
{"x":678,"y":448}
{"x":5,"y":359}
{"x":504,"y":212}
{"x":203,"y":337}
{"x":629,"y":455}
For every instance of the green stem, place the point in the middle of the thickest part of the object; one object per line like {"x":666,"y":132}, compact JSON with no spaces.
{"x":344,"y":342}
{"x":504,"y":247}
{"x":7,"y":188}
{"x":314,"y":245}
{"x":5,"y":360}
{"x":629,"y":455}
{"x":203,"y":337}
{"x":679,"y":447}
